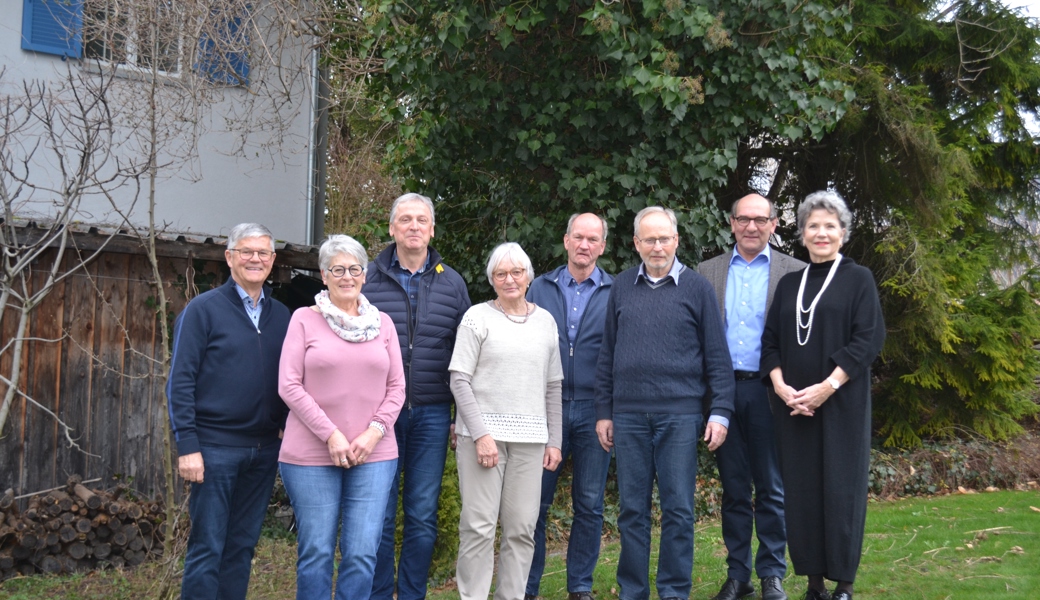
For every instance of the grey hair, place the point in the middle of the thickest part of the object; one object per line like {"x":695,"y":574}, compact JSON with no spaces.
{"x":247,"y":230}
{"x":657,"y":209}
{"x":772,"y":205}
{"x":574,"y":217}
{"x":829,"y":201}
{"x":515,"y":254}
{"x":338,"y":244}
{"x":412,"y":197}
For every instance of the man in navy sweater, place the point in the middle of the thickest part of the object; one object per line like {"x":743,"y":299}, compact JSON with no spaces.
{"x":575,"y":294}
{"x":663,"y":356}
{"x":226,"y":415}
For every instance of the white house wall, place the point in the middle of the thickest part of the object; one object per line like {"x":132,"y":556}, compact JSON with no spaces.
{"x":222,"y":183}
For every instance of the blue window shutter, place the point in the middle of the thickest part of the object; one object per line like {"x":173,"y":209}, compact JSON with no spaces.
{"x":229,"y":68}
{"x":53,"y":27}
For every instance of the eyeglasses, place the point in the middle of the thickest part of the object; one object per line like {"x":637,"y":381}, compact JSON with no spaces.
{"x":339,"y":271}
{"x":651,"y":242}
{"x":248,"y":254}
{"x":759,"y":221}
{"x":516,"y":274}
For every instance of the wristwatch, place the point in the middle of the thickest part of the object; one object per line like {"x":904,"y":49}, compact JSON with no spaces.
{"x":834,"y":383}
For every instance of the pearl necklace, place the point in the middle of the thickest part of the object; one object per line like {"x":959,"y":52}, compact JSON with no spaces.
{"x":513,"y":318}
{"x":812,"y":307}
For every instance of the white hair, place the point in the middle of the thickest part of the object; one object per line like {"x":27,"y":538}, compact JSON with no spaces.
{"x":512,"y":252}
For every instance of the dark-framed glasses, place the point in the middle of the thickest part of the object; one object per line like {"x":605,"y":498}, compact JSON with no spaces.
{"x":516,"y":274}
{"x":247,"y":253}
{"x":339,"y":271}
{"x":759,"y":221}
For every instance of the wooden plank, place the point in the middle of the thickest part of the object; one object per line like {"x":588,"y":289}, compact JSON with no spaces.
{"x":138,"y":359}
{"x":42,"y":430}
{"x":106,"y":428}
{"x":12,"y":438}
{"x":77,"y":361}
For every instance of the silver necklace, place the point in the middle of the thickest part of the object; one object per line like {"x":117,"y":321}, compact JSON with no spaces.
{"x":515,"y":318}
{"x":812,"y":307}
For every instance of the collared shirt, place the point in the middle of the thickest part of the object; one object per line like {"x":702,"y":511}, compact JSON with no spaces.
{"x":576,"y":298}
{"x":677,"y":267}
{"x":673,"y":273}
{"x":410,"y":282}
{"x":252,"y":310}
{"x":747,"y":286}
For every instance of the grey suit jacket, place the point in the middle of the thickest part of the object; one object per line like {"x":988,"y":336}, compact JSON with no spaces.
{"x":717,"y":271}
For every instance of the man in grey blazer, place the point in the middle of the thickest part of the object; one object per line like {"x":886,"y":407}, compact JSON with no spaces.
{"x":744,"y":282}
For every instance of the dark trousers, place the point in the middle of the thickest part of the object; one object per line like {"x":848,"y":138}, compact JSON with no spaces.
{"x":589,"y":478}
{"x":227,"y":512}
{"x":749,"y":457}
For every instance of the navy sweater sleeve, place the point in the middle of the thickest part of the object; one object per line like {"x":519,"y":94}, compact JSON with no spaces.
{"x":189,"y":350}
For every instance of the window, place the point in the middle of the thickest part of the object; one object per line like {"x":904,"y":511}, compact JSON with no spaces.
{"x":142,"y":34}
{"x":139,"y":35}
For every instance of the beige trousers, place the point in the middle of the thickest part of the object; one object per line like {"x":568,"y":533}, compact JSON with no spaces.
{"x":509,"y":493}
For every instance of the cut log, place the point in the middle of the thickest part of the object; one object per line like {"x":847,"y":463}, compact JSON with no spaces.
{"x":102,"y":551}
{"x":67,"y":533}
{"x":83,"y":525}
{"x":50,"y":564}
{"x":77,"y":550}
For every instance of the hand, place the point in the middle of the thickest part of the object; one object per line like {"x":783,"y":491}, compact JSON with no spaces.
{"x":553,"y":458}
{"x":190,"y":467}
{"x":453,"y":440}
{"x":339,"y":450}
{"x":715,"y":435}
{"x":487,"y":452}
{"x":811,"y":398}
{"x":605,"y":433}
{"x":363,"y":445}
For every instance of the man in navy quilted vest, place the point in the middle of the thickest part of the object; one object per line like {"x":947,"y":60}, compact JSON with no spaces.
{"x":426,"y":300}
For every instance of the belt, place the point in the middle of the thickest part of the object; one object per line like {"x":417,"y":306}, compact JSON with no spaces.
{"x":746,"y":375}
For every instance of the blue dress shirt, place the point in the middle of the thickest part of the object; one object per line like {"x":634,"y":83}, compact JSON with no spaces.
{"x":747,"y":285}
{"x":251,"y":310}
{"x":576,"y":298}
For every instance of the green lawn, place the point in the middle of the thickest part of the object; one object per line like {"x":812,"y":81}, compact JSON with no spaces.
{"x":961,"y":547}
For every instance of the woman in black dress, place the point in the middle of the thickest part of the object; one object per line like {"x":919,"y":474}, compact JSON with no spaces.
{"x":823,"y":331}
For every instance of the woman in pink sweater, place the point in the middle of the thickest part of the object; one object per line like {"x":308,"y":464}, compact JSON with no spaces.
{"x":341,"y":376}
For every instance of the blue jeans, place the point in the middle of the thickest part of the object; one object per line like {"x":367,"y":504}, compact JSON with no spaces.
{"x":662,"y":446}
{"x":422,"y":445}
{"x":227,"y":511}
{"x":331,"y":500}
{"x":589,"y":478}
{"x":749,"y":456}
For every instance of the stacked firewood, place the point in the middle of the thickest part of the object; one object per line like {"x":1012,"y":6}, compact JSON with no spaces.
{"x":76,"y":528}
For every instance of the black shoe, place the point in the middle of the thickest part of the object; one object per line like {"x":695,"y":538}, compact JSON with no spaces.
{"x":773,"y":589}
{"x":733,"y":589}
{"x":841,"y":595}
{"x":530,"y":597}
{"x":580,"y":596}
{"x":812,"y":594}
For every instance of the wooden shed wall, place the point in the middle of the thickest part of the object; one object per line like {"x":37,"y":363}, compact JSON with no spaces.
{"x":95,"y":361}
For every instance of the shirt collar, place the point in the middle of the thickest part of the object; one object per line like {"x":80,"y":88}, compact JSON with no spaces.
{"x":766,"y":252}
{"x":677,"y":267}
{"x":396,"y":263}
{"x":244,"y":295}
{"x":567,"y":279}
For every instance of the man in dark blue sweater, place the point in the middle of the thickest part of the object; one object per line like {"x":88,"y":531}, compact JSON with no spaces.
{"x":226,"y":415}
{"x":575,"y":294}
{"x":664,"y":354}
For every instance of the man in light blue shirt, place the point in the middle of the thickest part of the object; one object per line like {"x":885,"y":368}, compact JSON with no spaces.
{"x":744,"y":281}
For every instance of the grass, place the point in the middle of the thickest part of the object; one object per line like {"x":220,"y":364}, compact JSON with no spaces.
{"x":959,"y":547}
